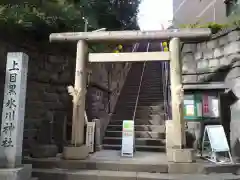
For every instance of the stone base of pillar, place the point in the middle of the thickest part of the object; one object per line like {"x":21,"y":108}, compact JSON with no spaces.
{"x":75,"y":153}
{"x":181,"y":155}
{"x":20,"y":173}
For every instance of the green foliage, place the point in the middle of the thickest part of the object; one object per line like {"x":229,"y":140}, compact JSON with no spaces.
{"x":213,"y":26}
{"x":44,"y":16}
{"x":233,"y":22}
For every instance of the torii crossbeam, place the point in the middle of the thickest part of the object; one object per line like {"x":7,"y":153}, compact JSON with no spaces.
{"x":83,"y":57}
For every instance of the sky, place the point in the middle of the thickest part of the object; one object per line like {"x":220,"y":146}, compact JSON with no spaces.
{"x":155,"y":13}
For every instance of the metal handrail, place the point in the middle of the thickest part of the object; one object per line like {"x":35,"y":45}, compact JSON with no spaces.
{"x":139,"y":87}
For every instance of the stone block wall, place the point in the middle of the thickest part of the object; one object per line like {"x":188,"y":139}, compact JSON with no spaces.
{"x":217,"y":60}
{"x":214,"y":60}
{"x":103,"y":97}
{"x":48,"y":105}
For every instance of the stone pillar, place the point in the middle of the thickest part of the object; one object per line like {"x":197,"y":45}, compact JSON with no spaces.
{"x":13,"y":119}
{"x":177,"y":94}
{"x":78,"y":150}
{"x":176,"y":128}
{"x":13,"y":109}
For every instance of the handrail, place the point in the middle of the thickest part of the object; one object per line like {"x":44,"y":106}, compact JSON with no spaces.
{"x":139,"y":87}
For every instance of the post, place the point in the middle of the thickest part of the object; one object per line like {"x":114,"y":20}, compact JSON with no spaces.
{"x":176,"y":127}
{"x":78,"y":150}
{"x":13,"y":110}
{"x":80,"y":87}
{"x":177,"y":93}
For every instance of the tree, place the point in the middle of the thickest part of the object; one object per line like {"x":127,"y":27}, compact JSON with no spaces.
{"x":44,"y":16}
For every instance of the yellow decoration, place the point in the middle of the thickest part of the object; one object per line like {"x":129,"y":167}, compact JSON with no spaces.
{"x":116,"y":51}
{"x":120,"y":47}
{"x":165,"y":44}
{"x":165,"y":49}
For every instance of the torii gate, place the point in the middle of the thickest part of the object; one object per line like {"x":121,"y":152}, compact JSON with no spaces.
{"x":83,"y":57}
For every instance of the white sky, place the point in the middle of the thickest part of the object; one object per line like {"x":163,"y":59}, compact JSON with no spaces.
{"x":153,"y":13}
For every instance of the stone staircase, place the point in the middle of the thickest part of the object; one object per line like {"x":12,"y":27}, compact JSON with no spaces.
{"x":108,"y":165}
{"x":149,"y":119}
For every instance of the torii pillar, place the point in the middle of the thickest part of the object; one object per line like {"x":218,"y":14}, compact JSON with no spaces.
{"x":177,"y":152}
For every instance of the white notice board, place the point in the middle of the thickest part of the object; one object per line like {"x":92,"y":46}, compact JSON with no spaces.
{"x":128,"y":138}
{"x":217,"y":138}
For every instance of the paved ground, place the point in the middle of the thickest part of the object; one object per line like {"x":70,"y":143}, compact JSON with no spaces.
{"x":109,"y":165}
{"x":116,"y":175}
{"x":139,"y":157}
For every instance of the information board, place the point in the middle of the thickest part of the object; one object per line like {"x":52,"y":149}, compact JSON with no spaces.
{"x":192,"y":107}
{"x":217,"y":138}
{"x":218,"y":143}
{"x":90,"y":136}
{"x":128,"y":138}
{"x":210,"y":106}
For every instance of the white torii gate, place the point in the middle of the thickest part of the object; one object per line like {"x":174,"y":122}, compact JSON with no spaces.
{"x":80,"y":151}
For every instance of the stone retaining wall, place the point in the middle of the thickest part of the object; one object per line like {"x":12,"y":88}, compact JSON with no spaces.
{"x":214,"y":60}
{"x":48,"y":105}
{"x":217,"y":60}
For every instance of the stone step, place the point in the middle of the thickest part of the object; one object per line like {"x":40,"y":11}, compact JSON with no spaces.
{"x":141,"y":122}
{"x":152,"y":74}
{"x":152,"y":95}
{"x":138,"y":134}
{"x":118,"y":117}
{"x":143,"y":96}
{"x":146,"y":91}
{"x":132,"y":99}
{"x":143,"y":91}
{"x":139,"y":115}
{"x":153,"y":80}
{"x":144,"y":108}
{"x":141,"y":102}
{"x":136,"y":82}
{"x":63,"y":174}
{"x":138,"y":141}
{"x":157,"y":116}
{"x":154,"y":128}
{"x":130,"y":87}
{"x":153,"y":86}
{"x":154,"y":106}
{"x":140,"y":112}
{"x":138,"y":164}
{"x":138,"y":148}
{"x":141,"y":162}
{"x":151,"y":90}
{"x":124,"y":116}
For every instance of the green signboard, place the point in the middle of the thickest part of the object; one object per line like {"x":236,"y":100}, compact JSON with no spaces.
{"x":193,"y":107}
